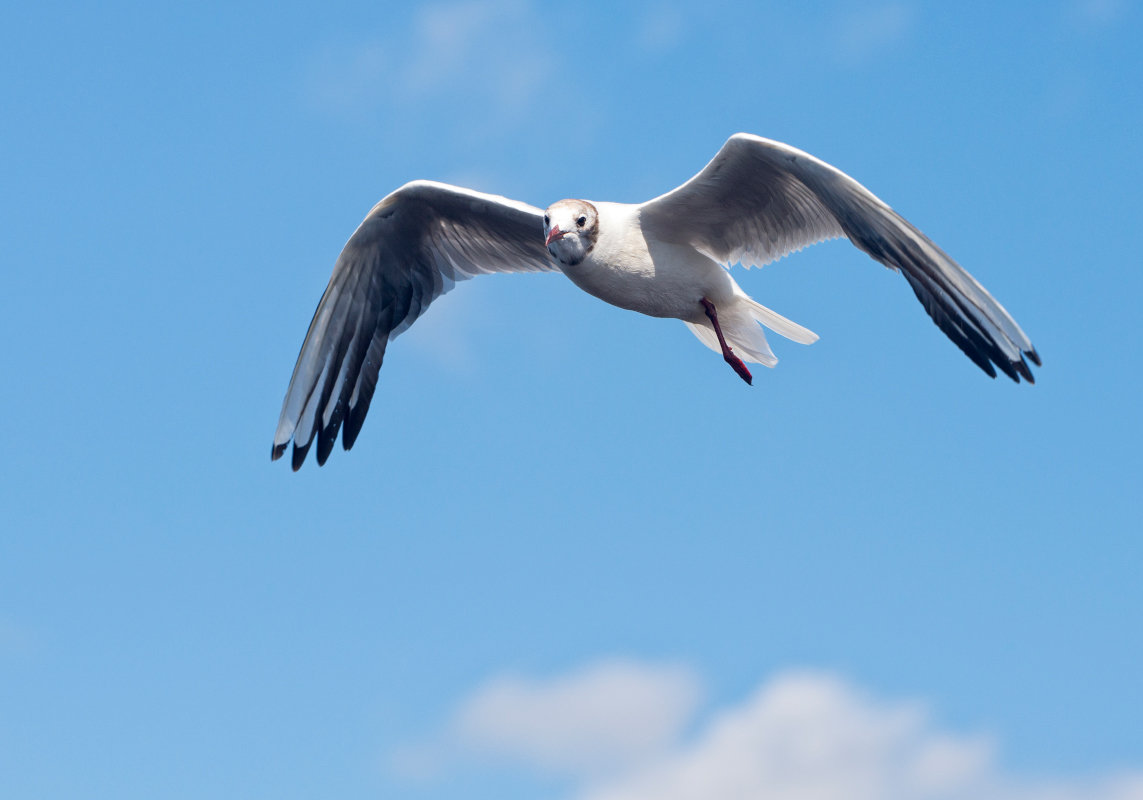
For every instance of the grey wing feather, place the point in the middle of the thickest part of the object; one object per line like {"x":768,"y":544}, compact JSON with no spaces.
{"x":411,"y":248}
{"x":758,"y":200}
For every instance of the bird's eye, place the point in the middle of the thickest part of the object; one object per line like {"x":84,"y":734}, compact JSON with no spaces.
{"x":581,"y":222}
{"x":547,"y":220}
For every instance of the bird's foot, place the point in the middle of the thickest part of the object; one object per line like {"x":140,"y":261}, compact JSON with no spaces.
{"x":736,"y":364}
{"x":727,"y":353}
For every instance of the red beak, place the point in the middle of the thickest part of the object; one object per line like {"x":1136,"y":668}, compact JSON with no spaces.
{"x":553,"y":234}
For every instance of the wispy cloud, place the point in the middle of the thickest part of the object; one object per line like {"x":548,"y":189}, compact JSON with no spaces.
{"x":1099,"y":13}
{"x":622,"y":729}
{"x":444,"y":334}
{"x":349,"y":78}
{"x":661,"y":29}
{"x":862,"y":35}
{"x":484,"y":60}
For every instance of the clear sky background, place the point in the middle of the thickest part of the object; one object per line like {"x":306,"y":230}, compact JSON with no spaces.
{"x":572,"y":555}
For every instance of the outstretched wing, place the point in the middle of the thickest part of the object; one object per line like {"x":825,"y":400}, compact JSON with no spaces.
{"x":758,"y":200}
{"x":411,"y":248}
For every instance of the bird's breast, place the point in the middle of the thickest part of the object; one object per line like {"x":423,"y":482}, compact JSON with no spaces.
{"x":663,"y":285}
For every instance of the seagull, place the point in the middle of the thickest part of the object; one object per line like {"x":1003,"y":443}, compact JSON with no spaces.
{"x":756,"y":201}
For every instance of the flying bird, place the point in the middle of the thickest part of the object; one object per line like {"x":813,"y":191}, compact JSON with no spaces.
{"x":755,"y":202}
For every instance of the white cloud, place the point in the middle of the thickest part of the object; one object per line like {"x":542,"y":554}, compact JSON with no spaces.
{"x":611,"y":714}
{"x":608,"y":716}
{"x":812,"y":737}
{"x":621,"y":727}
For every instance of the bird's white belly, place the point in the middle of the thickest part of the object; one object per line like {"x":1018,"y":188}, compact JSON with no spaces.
{"x":663,"y":281}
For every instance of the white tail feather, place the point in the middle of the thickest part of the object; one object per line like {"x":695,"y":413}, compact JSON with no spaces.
{"x":756,"y":351}
{"x":740,"y":326}
{"x":779,"y":324}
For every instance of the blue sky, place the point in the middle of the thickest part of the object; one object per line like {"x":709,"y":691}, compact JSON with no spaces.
{"x":571,"y":555}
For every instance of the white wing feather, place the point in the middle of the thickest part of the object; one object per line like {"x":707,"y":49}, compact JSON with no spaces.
{"x":758,"y":200}
{"x":411,"y":248}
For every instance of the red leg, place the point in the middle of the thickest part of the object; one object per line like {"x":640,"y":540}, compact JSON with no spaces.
{"x":727,"y":353}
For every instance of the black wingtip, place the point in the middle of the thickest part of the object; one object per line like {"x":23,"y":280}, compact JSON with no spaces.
{"x":1034,"y":356}
{"x":353,"y":422}
{"x":978,"y":359}
{"x":299,"y":455}
{"x":1024,"y":371}
{"x":277,"y":450}
{"x":326,"y":437}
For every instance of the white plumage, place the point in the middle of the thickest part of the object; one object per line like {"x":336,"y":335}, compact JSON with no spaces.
{"x":756,"y":201}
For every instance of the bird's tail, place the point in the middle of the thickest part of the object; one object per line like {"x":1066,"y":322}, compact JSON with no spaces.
{"x":740,"y":326}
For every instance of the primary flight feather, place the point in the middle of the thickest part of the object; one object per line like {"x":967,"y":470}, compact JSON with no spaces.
{"x":756,"y":201}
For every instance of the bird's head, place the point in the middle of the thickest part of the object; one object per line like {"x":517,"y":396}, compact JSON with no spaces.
{"x":571,"y":228}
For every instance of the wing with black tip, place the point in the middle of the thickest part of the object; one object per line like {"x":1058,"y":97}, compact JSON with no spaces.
{"x":411,"y":248}
{"x":758,"y":200}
